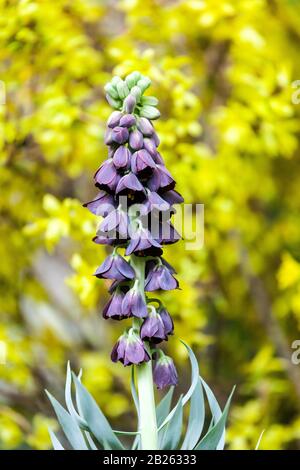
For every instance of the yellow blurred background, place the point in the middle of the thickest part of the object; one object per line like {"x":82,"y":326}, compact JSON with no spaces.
{"x":225,"y":73}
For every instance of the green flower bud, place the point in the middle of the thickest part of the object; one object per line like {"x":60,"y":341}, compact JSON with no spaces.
{"x":144,"y":83}
{"x":149,"y":112}
{"x":111,"y":91}
{"x":116,"y":104}
{"x":149,"y":100}
{"x":136,"y":92}
{"x":115,"y":80}
{"x":132,"y":79}
{"x":123,"y":89}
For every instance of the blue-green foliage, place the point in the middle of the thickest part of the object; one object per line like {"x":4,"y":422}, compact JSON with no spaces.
{"x":86,"y":428}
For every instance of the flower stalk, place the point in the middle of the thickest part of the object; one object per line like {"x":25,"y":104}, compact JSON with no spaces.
{"x":144,"y":376}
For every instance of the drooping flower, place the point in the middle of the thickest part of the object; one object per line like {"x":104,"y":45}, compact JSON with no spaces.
{"x":167,"y":321}
{"x":164,"y":372}
{"x":133,"y":304}
{"x":115,"y":267}
{"x":142,"y":241}
{"x":102,"y":204}
{"x":115,"y":224}
{"x":159,"y":277}
{"x":161,"y":179}
{"x":154,"y":202}
{"x":130,"y":349}
{"x":130,"y":186}
{"x":107,"y":177}
{"x":142,"y":163}
{"x":153,"y":327}
{"x":113,"y":308}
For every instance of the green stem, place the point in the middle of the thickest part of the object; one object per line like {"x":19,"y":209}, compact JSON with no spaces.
{"x":147,"y":413}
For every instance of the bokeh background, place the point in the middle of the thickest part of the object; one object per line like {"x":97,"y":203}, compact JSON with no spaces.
{"x":223,"y":71}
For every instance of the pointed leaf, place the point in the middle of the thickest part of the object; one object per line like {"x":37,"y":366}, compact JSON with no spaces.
{"x":69,"y":402}
{"x":211,"y":440}
{"x":195,"y":374}
{"x":196,"y":419}
{"x":173,"y":429}
{"x":95,"y":419}
{"x":163,"y":407}
{"x":194,"y":381}
{"x":90,"y":441}
{"x":55,"y":442}
{"x":215,"y":411}
{"x":69,"y":425}
{"x":259,"y":440}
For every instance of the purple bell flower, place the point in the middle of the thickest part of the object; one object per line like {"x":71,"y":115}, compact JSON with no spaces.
{"x":167,"y":321}
{"x":113,"y":308}
{"x":128,"y":120}
{"x":106,"y":177}
{"x":134,"y":305}
{"x":119,"y":135}
{"x":142,"y":162}
{"x":121,"y":157}
{"x":154,"y":202}
{"x":160,"y":278}
{"x":115,"y":267}
{"x":165,"y":373}
{"x":116,"y":221}
{"x":142,"y":241}
{"x":102,"y":205}
{"x":129,"y":185}
{"x":153,"y":328}
{"x":129,"y":349}
{"x":161,"y":179}
{"x":136,"y":140}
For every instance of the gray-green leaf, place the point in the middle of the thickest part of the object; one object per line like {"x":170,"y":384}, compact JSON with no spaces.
{"x":196,"y":418}
{"x":172,"y":432}
{"x":55,"y":442}
{"x":163,"y":407}
{"x":95,"y":419}
{"x":211,"y":440}
{"x":69,"y":425}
